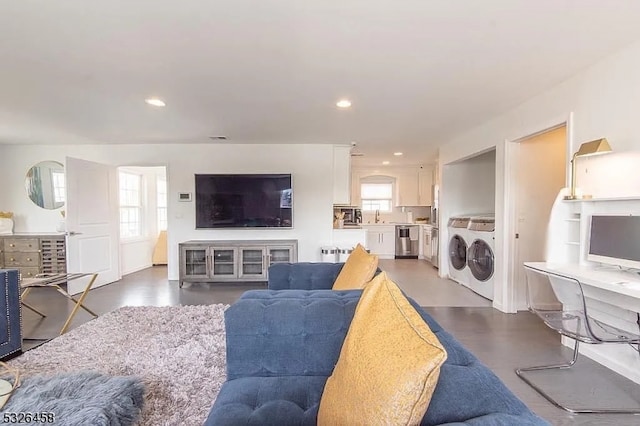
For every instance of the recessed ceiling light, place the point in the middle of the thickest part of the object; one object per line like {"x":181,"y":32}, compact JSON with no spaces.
{"x":343,"y":103}
{"x":155,"y":102}
{"x":384,"y":163}
{"x":397,"y":154}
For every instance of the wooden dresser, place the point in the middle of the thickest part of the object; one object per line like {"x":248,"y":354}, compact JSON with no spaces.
{"x":33,"y":254}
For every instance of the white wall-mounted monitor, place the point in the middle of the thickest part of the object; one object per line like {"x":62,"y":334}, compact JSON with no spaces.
{"x":615,"y":240}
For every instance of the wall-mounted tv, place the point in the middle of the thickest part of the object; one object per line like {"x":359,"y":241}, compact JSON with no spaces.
{"x":244,"y":201}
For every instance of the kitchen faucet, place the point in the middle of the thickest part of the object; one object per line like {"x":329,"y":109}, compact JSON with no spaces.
{"x":377,"y":219}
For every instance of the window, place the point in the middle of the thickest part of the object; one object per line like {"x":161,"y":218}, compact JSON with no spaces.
{"x":57,"y":179}
{"x":376,"y":196}
{"x":162,"y":204}
{"x":130,"y":205}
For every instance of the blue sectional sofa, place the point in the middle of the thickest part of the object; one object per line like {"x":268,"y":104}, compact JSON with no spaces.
{"x":282,"y":345}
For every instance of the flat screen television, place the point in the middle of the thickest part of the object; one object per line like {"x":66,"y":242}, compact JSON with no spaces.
{"x":244,"y":201}
{"x":615,"y":240}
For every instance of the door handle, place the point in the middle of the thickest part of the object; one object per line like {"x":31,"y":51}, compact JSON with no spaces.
{"x":72,"y":233}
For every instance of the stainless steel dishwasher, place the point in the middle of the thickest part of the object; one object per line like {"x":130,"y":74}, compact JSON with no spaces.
{"x":407,"y":241}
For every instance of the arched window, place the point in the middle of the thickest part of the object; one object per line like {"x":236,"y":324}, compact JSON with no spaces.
{"x":376,"y":193}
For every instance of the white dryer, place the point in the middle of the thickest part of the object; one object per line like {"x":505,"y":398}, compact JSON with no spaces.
{"x":480,"y":255}
{"x":457,"y":250}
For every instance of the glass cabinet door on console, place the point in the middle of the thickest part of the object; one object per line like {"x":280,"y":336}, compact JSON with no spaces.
{"x":232,"y":260}
{"x":195,"y":262}
{"x":252,"y":264}
{"x":223,"y":263}
{"x":279,"y":255}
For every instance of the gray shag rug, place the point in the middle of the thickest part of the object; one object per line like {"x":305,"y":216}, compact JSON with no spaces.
{"x":179,"y":353}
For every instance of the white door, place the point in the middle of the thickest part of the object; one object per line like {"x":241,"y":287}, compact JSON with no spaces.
{"x":92,"y":222}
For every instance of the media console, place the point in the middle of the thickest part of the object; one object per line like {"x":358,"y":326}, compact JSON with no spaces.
{"x":233,"y":260}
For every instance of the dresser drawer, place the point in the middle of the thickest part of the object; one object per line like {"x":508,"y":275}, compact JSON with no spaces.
{"x":29,"y":272}
{"x":21,"y":259}
{"x":21,"y":244}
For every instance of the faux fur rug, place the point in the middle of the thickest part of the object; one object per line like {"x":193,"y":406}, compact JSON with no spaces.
{"x":178,"y":351}
{"x":75,"y":399}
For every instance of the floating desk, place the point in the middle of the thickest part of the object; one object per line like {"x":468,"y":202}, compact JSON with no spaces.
{"x":619,"y":288}
{"x":613,"y":297}
{"x":55,"y":281}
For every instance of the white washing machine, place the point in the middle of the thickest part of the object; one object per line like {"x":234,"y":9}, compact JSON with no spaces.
{"x":457,"y":249}
{"x":480,"y":255}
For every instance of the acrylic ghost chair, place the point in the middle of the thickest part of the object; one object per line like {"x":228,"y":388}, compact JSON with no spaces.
{"x":560,"y":302}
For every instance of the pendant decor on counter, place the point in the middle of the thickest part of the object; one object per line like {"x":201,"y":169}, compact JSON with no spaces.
{"x":6,"y":223}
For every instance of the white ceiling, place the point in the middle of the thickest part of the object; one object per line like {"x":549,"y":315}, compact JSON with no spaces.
{"x":270,"y":71}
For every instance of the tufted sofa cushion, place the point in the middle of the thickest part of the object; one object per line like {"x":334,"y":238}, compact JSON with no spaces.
{"x":282,"y":346}
{"x":303,"y":276}
{"x":287,"y":333}
{"x":268,"y":401}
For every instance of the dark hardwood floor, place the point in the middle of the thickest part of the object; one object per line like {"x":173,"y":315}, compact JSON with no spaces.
{"x":501,"y":341}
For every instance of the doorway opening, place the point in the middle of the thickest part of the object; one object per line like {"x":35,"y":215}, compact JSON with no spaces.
{"x":143,"y":217}
{"x":536,"y":176}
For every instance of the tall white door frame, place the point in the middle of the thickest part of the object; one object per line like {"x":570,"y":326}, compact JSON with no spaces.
{"x":510,"y":304}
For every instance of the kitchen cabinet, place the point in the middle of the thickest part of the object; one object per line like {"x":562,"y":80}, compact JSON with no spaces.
{"x":228,"y":261}
{"x":356,"y":175}
{"x":381,"y":240}
{"x":425,"y":181}
{"x":342,"y":174}
{"x":407,"y":189}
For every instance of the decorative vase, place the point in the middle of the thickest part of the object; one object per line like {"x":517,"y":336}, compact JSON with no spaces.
{"x":6,"y":226}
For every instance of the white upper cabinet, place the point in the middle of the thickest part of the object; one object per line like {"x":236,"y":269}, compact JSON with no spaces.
{"x":342,"y":174}
{"x":425,"y":183}
{"x":355,"y":187}
{"x":407,"y":189}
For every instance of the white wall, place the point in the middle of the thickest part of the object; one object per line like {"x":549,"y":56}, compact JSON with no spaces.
{"x":603,"y":103}
{"x":471,"y":184}
{"x":308,"y":164}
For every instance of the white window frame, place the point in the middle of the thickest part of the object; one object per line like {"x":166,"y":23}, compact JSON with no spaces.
{"x":131,"y":212}
{"x":161,"y":202}
{"x":381,"y":200}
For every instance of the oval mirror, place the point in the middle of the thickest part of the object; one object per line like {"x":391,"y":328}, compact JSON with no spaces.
{"x":45,"y":185}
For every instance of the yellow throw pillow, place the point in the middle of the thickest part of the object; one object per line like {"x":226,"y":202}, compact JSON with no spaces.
{"x":388,"y":366}
{"x":357,"y":270}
